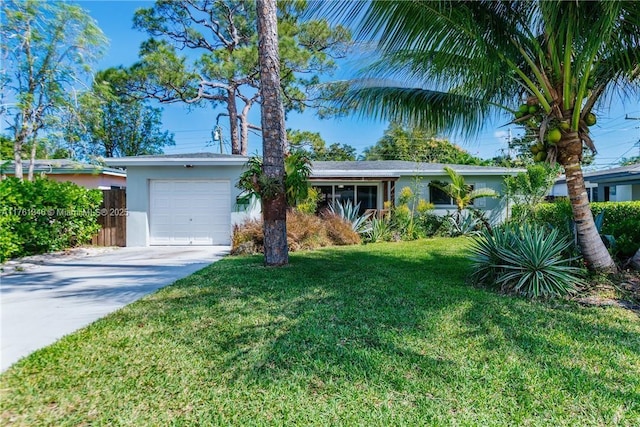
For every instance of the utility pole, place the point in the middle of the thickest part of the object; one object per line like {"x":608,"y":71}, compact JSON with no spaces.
{"x":626,"y":117}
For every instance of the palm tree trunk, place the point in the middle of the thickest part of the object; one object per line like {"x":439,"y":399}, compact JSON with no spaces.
{"x":593,"y":249}
{"x":274,"y":207}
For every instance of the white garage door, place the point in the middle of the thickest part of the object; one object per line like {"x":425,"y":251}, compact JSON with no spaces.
{"x":189,"y":212}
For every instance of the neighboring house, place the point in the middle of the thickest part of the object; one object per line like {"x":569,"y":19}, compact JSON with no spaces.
{"x":192,"y":199}
{"x":611,"y":185}
{"x":85,"y":175}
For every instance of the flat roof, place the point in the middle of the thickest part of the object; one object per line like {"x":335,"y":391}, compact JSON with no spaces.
{"x":202,"y":159}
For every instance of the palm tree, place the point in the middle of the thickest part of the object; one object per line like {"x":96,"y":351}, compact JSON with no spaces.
{"x":462,"y":194}
{"x":451,"y":65}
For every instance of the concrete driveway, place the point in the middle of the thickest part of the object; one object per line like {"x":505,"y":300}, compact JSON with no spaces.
{"x":41,"y":305}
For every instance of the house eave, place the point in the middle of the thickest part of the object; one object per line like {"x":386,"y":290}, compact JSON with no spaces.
{"x":178,"y":161}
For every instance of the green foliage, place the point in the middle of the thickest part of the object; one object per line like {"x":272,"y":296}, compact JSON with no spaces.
{"x":296,"y":179}
{"x":380,"y":230}
{"x":418,"y":145}
{"x":528,"y":260}
{"x":527,"y":189}
{"x":43,"y":215}
{"x":628,"y":161}
{"x":47,"y":48}
{"x":316,"y":148}
{"x":204,"y":52}
{"x":621,"y":220}
{"x":364,"y":335}
{"x":309,"y":205}
{"x":297,"y":168}
{"x":113,"y":123}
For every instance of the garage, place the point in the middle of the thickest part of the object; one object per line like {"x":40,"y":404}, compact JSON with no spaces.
{"x":184,"y":199}
{"x":189,"y":212}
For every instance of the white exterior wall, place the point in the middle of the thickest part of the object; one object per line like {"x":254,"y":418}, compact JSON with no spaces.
{"x":138,"y":178}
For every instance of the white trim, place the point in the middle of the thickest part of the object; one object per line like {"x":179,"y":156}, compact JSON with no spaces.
{"x":177,"y":161}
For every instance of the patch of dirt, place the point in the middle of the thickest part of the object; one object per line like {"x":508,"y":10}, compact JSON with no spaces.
{"x":619,"y":290}
{"x":19,"y":265}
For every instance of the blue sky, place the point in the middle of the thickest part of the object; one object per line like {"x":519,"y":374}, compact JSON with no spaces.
{"x":614,"y":136}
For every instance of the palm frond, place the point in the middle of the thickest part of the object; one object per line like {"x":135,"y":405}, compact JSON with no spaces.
{"x":418,"y":107}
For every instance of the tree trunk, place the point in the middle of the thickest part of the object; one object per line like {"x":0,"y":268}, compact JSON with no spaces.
{"x":232,"y":108}
{"x":17,"y":157}
{"x":593,"y":249}
{"x":32,"y":159}
{"x":274,"y":207}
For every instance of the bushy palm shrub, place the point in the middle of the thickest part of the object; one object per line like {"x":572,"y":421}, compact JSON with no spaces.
{"x":528,"y":260}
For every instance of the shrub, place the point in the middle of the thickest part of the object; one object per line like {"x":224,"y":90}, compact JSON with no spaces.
{"x":351,"y":214}
{"x":310,"y":203}
{"x":339,"y":231}
{"x":304,"y":231}
{"x":621,"y":220}
{"x":379,"y":230}
{"x":527,"y":260}
{"x":43,"y":215}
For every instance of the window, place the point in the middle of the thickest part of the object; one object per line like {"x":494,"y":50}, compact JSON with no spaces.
{"x":344,"y":193}
{"x":367,"y":196}
{"x":438,"y":196}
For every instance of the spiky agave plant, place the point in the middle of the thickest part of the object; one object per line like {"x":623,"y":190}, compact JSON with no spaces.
{"x":351,"y":213}
{"x":527,"y":260}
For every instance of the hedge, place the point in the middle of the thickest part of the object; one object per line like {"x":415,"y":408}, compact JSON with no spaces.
{"x":43,"y":215}
{"x":621,"y":220}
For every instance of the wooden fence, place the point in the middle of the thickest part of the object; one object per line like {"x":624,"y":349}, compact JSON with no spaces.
{"x":112,"y":219}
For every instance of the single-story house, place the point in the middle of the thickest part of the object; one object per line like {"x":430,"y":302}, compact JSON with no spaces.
{"x":610,"y":185}
{"x":192,"y":199}
{"x":83,"y":174}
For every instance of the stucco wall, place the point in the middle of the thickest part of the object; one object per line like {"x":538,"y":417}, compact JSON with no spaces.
{"x":492,"y":205}
{"x":138,"y":178}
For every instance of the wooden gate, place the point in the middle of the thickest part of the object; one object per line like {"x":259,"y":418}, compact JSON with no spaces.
{"x":112,"y":219}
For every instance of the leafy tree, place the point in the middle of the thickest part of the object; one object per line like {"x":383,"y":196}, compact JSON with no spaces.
{"x":628,"y":161}
{"x":116,"y":124}
{"x":47,"y":47}
{"x":312,"y":144}
{"x":220,"y":63}
{"x":418,"y":145}
{"x":529,"y":188}
{"x":274,"y":134}
{"x":458,"y":63}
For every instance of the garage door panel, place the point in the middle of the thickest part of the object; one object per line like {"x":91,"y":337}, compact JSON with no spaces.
{"x":184,"y":212}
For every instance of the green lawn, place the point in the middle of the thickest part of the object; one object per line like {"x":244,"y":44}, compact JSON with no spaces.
{"x":375,"y":335}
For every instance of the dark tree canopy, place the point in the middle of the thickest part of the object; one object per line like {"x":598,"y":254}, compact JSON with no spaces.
{"x":206,"y":51}
{"x":46,"y":47}
{"x":316,"y":148}
{"x":418,"y":145}
{"x":114,"y":123}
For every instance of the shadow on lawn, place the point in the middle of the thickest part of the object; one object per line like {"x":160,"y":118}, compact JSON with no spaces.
{"x":355,"y":316}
